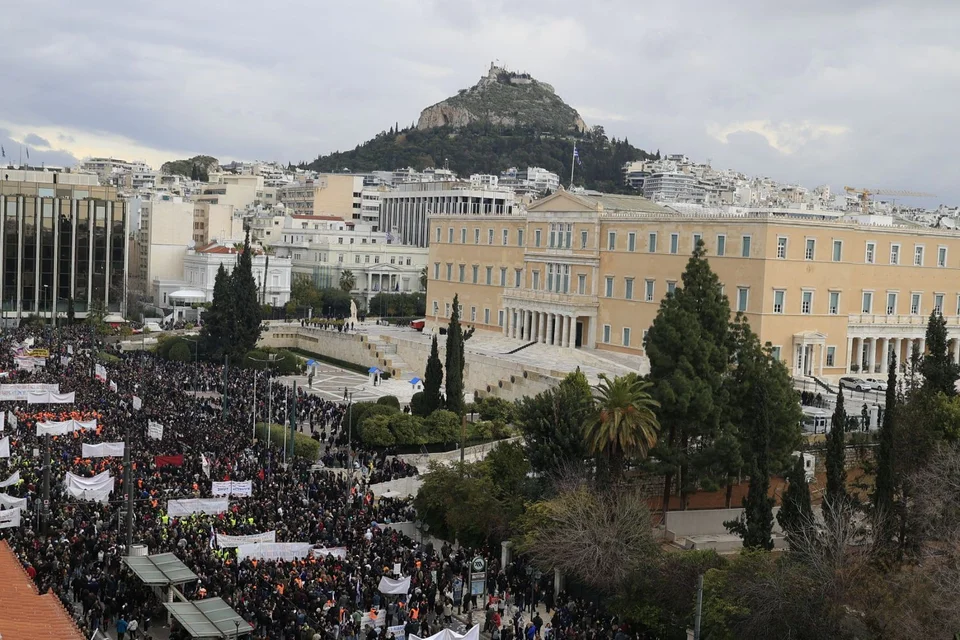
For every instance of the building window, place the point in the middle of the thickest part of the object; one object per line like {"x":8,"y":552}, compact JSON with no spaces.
{"x":782,"y":248}
{"x":473,"y":314}
{"x":778,"y":299}
{"x":743,"y":297}
{"x":837,"y":250}
{"x":810,"y":249}
{"x":652,"y":243}
{"x":436,"y":270}
{"x":671,"y":286}
{"x":500,"y":318}
{"x":831,"y":356}
{"x":775,"y":353}
{"x":503,"y":276}
{"x":583,"y":239}
{"x":476,"y":235}
{"x":489,"y":275}
{"x":938,"y":303}
{"x":612,"y":241}
{"x":834,"y":303}
{"x":462,"y":271}
{"x":517,"y":273}
{"x":449,"y":241}
{"x":894,"y":254}
{"x":536,"y":279}
{"x":631,"y":241}
{"x":941,"y":256}
{"x":609,"y":287}
{"x":476,"y":274}
{"x":550,"y":277}
{"x":606,"y":334}
{"x":674,"y":243}
{"x":463,"y":235}
{"x":519,"y":237}
{"x":870,"y":253}
{"x":436,"y":307}
{"x":697,"y":237}
{"x":918,"y":255}
{"x":486,"y":316}
{"x":891,"y":303}
{"x":438,"y":236}
{"x":506,"y":237}
{"x":553,"y":236}
{"x":536,"y":237}
{"x":806,"y":302}
{"x":340,"y":258}
{"x":356,"y":258}
{"x":745,"y":247}
{"x":915,"y":303}
{"x":867,"y":306}
{"x":628,"y":288}
{"x":721,"y":245}
{"x":569,"y":234}
{"x":582,"y":284}
{"x":958,"y":304}
{"x":376,"y":259}
{"x":489,"y":236}
{"x":648,"y":290}
{"x":626,"y":336}
{"x":446,"y":310}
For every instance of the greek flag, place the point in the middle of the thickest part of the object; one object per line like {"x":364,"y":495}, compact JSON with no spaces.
{"x":389,"y":237}
{"x":576,"y":155}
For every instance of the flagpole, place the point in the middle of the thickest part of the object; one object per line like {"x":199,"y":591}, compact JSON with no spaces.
{"x":573,"y":159}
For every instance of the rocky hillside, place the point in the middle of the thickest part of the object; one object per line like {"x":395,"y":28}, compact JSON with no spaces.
{"x":189,"y":167}
{"x":504,"y":98}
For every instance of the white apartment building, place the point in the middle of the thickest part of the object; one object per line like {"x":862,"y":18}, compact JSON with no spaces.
{"x":333,"y":194}
{"x":322,"y":248}
{"x":672,"y":186}
{"x":404,"y":211}
{"x":240,"y":191}
{"x":166,"y":232}
{"x":540,"y":179}
{"x":49,"y":175}
{"x":481,"y":180}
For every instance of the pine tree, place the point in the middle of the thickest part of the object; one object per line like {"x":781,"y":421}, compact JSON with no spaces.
{"x":219,"y":331}
{"x":432,"y":379}
{"x":884,"y":488}
{"x":939,"y":372}
{"x":688,"y":350}
{"x":836,"y":493}
{"x":795,"y":511}
{"x":247,"y":311}
{"x":455,"y":361}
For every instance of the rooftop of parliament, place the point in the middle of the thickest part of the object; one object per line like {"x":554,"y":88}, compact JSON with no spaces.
{"x":63,"y":236}
{"x":832,"y":294}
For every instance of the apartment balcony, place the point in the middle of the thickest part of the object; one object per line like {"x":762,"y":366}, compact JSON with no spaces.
{"x":550,"y":301}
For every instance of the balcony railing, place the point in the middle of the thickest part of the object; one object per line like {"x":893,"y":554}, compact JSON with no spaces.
{"x":530,"y":295}
{"x":918,"y":320}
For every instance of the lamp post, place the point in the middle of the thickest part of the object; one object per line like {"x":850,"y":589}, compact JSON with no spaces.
{"x":196,"y":360}
{"x":269,"y":362}
{"x":46,"y":289}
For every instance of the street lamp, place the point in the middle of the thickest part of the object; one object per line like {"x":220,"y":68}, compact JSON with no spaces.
{"x":196,"y":360}
{"x":269,"y":362}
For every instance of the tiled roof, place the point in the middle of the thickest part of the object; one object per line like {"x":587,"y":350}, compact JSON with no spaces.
{"x":25,"y":615}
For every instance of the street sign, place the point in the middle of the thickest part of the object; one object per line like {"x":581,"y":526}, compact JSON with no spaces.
{"x":478,"y":576}
{"x":478,"y":564}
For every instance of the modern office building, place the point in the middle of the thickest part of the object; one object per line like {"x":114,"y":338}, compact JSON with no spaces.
{"x":62,"y":238}
{"x":404,"y":212}
{"x":831,"y":296}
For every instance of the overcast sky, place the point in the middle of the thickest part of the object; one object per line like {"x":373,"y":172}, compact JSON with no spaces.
{"x":838,"y":92}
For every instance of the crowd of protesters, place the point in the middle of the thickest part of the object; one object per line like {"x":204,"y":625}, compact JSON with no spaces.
{"x":75,"y":547}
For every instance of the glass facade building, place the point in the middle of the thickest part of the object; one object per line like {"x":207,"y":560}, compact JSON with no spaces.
{"x":59,"y":242}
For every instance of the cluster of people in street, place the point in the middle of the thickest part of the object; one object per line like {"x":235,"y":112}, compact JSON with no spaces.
{"x":75,"y":547}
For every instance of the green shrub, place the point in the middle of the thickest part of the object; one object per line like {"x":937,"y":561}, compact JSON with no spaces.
{"x":480,"y":430}
{"x":500,"y":430}
{"x":407,"y":429}
{"x":108,"y":358}
{"x":180,"y":352}
{"x":495,"y":409}
{"x":441,"y":427}
{"x":389,"y":401}
{"x":303,"y":445}
{"x":418,"y":404}
{"x":376,"y":432}
{"x":356,"y":413}
{"x":371,"y":411}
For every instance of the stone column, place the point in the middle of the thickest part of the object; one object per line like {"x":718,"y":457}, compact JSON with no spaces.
{"x":823,"y":356}
{"x":554,"y":336}
{"x":542,"y":333}
{"x":871,"y":353}
{"x":528,"y":329}
{"x":566,"y":332}
{"x":923,"y":346}
{"x":506,"y":321}
{"x":849,"y":353}
{"x":885,"y":360}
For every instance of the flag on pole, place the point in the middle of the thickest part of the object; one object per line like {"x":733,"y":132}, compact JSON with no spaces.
{"x":576,"y":155}
{"x":28,"y":153}
{"x":3,"y":152}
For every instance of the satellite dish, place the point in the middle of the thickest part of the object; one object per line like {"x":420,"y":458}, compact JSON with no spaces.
{"x":192,"y":244}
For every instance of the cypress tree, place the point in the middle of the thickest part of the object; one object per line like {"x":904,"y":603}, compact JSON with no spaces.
{"x":939,"y":372}
{"x":795,"y":511}
{"x":432,"y":379}
{"x":246,"y":308}
{"x":836,"y":472}
{"x":455,"y":360}
{"x":755,"y":526}
{"x":218,"y":331}
{"x":884,"y":488}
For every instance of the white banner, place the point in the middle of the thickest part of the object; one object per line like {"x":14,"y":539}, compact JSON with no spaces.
{"x":13,"y":420}
{"x":20,"y":392}
{"x":228,"y":488}
{"x":177,"y":508}
{"x":235,"y":541}
{"x":447,"y":634}
{"x":155,"y":430}
{"x":5,"y":447}
{"x":336,"y":552}
{"x":9,"y":502}
{"x":113,"y":386}
{"x":104,"y":450}
{"x":14,"y":479}
{"x":78,"y":485}
{"x":9,"y":518}
{"x":3,"y":420}
{"x":275,"y":550}
{"x":100,"y":373}
{"x":29,"y":363}
{"x":137,"y":403}
{"x":392,"y":587}
{"x":205,"y":465}
{"x":44,"y":396}
{"x":65,"y":427}
{"x":397,"y":631}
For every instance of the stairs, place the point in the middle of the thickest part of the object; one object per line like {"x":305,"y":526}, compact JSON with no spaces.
{"x":386,"y":356}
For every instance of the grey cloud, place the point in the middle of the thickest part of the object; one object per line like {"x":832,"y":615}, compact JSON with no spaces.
{"x":36,"y":141}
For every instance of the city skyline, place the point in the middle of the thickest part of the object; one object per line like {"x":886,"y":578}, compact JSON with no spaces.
{"x":855,"y":94}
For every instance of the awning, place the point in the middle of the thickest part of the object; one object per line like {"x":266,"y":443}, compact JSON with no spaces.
{"x":160,"y":570}
{"x":374,"y":370}
{"x":210,"y":618}
{"x":414,"y":380}
{"x":189,"y":295}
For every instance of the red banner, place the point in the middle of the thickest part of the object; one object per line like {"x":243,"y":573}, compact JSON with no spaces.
{"x":169,"y":461}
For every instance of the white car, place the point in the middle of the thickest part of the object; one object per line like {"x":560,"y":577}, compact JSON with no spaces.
{"x":858,"y":384}
{"x":877,"y":384}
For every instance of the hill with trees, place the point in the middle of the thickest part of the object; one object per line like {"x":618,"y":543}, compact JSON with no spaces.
{"x":195,"y":167}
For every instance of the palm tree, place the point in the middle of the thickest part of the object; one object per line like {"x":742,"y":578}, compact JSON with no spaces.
{"x":347,"y":280}
{"x":423,"y":278}
{"x":624,"y":423}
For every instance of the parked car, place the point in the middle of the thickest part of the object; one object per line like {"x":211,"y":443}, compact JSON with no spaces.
{"x":858,"y":384}
{"x":877,"y":384}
